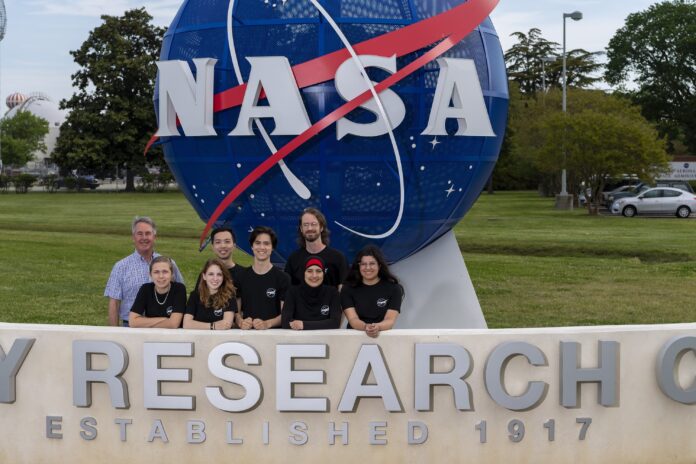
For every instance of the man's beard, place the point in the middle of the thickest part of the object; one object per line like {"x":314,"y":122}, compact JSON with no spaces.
{"x":313,"y":238}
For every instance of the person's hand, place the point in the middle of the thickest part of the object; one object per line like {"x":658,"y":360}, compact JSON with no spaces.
{"x":222,"y":325}
{"x":260,"y":324}
{"x":297,"y":325}
{"x":372,"y":330}
{"x":247,"y":324}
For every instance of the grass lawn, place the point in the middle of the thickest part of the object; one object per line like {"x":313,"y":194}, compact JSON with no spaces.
{"x":531,"y":265}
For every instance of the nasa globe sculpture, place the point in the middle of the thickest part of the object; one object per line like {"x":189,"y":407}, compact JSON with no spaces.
{"x":268,"y":107}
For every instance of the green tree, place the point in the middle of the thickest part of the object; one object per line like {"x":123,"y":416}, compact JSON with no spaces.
{"x":514,"y":170}
{"x":20,"y":137}
{"x":524,"y":59}
{"x":111,"y":116}
{"x":604,"y":136}
{"x":653,"y":59}
{"x":530,"y":62}
{"x":534,"y":59}
{"x":582,"y":68}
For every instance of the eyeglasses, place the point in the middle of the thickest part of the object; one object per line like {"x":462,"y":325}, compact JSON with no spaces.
{"x":371,"y":264}
{"x":307,"y":225}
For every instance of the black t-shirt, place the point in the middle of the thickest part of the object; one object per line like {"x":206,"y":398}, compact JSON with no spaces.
{"x":324,"y":312}
{"x":371,"y":302}
{"x":202,"y":313}
{"x":336,"y":266}
{"x":147,"y":305}
{"x":234,"y":272}
{"x":262,"y":294}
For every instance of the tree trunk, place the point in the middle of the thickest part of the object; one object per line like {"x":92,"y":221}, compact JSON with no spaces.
{"x":130,"y":180}
{"x":490,"y":184}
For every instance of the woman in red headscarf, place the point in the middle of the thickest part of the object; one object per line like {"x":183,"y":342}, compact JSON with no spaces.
{"x":312,"y":305}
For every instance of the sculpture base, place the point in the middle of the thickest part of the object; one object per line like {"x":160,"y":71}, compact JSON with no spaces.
{"x":564,"y":202}
{"x":439,"y":292}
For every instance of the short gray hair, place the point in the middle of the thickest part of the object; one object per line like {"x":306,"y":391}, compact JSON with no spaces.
{"x":145,"y":220}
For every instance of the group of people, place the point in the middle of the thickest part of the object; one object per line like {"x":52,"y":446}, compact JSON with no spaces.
{"x":315,"y":291}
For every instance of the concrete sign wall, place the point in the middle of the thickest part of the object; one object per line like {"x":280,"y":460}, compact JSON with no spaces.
{"x":602,"y":394}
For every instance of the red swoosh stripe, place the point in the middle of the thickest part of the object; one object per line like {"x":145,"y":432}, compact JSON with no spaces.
{"x":453,"y":26}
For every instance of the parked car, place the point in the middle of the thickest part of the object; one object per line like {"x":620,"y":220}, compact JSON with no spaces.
{"x":659,"y":200}
{"x":679,"y":184}
{"x":609,"y":196}
{"x":615,"y":184}
{"x":629,"y":192}
{"x":76,"y":182}
{"x":642,"y":187}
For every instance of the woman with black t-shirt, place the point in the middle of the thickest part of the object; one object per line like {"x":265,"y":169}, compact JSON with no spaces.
{"x":213,"y":304}
{"x":371,"y":295}
{"x":312,"y":305}
{"x":160,"y":303}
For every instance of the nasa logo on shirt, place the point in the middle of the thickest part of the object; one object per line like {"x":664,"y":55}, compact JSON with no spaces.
{"x":218,"y":312}
{"x":324,"y":310}
{"x":381,"y":302}
{"x":170,"y":310}
{"x":271,"y":292}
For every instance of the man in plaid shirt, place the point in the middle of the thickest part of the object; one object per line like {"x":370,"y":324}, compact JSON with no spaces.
{"x":130,"y":273}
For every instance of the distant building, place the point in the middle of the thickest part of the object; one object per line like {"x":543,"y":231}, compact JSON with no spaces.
{"x":39,"y":104}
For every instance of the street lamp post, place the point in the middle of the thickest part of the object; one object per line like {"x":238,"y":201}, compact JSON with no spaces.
{"x":565,"y":201}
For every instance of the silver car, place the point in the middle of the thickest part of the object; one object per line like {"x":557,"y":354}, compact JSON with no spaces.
{"x":660,"y":200}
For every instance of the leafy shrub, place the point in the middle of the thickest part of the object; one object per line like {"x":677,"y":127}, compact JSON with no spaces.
{"x":50,"y":183}
{"x":4,"y":183}
{"x":155,"y":182}
{"x":82,"y":183}
{"x":71,"y":183}
{"x":23,"y":182}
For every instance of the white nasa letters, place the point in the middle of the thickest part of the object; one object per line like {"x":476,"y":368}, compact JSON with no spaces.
{"x":458,"y":95}
{"x":188,"y":97}
{"x":350,"y":83}
{"x":456,"y":84}
{"x":285,"y":106}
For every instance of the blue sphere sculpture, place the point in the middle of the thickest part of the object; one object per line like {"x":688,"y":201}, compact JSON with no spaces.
{"x":355,"y":180}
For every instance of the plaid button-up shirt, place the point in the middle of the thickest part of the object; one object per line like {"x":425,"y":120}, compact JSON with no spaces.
{"x":126,"y":278}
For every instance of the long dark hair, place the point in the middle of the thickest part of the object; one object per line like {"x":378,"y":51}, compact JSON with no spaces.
{"x":224,"y":293}
{"x":354,"y":279}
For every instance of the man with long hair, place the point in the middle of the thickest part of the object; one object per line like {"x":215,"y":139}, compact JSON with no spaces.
{"x":313,"y":239}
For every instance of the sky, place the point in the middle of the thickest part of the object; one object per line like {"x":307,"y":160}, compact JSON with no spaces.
{"x":35,"y":53}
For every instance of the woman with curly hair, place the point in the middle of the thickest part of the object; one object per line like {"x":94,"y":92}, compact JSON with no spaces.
{"x":213,"y":304}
